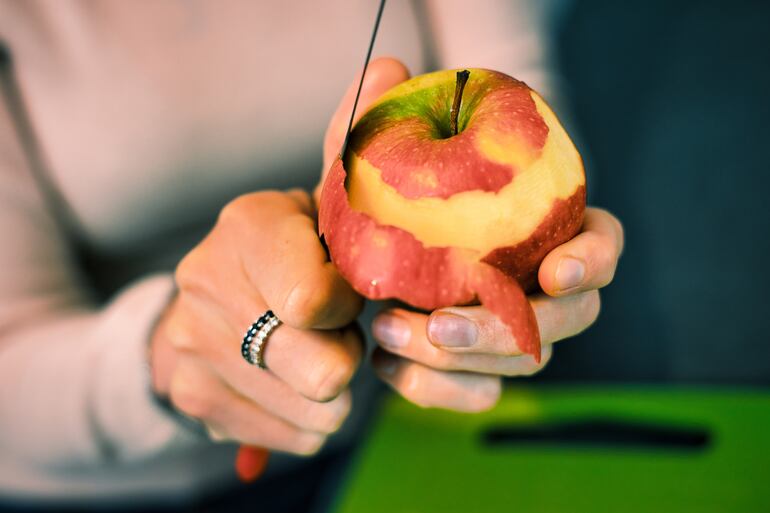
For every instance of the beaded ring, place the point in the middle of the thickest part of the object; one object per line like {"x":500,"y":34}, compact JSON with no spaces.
{"x":255,"y":339}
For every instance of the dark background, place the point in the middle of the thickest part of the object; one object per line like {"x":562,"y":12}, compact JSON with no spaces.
{"x":673,"y":102}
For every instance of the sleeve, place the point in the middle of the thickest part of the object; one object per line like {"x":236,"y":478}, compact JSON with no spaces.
{"x":74,"y":380}
{"x":517,"y":37}
{"x":513,"y":36}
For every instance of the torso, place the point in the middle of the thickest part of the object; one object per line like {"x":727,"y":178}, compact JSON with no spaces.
{"x":151,"y":119}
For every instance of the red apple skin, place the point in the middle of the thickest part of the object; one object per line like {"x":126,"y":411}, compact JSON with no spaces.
{"x":383,"y":261}
{"x":402,"y":148}
{"x":521,"y":261}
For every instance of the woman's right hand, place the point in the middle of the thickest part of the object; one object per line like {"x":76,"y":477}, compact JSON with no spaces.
{"x":263,"y":253}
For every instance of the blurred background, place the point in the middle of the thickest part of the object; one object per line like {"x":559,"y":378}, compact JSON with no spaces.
{"x":671,"y":99}
{"x":664,"y":403}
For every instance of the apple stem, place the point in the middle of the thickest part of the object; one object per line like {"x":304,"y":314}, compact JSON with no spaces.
{"x":462,"y":78}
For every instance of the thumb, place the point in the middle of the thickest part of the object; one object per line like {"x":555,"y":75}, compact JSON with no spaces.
{"x":382,"y":74}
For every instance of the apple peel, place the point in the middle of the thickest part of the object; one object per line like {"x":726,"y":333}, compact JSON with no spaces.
{"x":503,"y":296}
{"x":382,"y":260}
{"x":564,"y":219}
{"x":437,"y":216}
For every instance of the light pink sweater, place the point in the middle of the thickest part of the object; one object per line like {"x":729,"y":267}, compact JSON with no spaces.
{"x":145,"y":118}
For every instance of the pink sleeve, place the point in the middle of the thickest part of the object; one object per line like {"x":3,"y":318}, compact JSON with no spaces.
{"x":74,"y":382}
{"x":512,"y":36}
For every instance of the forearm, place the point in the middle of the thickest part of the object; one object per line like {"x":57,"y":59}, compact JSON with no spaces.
{"x":75,"y":385}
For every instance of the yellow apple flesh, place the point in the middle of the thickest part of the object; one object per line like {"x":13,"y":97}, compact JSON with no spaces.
{"x":435,"y":219}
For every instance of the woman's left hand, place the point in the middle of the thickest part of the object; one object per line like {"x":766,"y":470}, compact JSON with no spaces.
{"x":454,"y":358}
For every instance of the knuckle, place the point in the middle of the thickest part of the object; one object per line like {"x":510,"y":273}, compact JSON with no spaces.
{"x":197,"y":270}
{"x":189,"y":269}
{"x":244,"y":208}
{"x":486,"y":396}
{"x":180,"y":329}
{"x":217,"y":435}
{"x":235,"y":210}
{"x":189,"y":395}
{"x":545,"y":356}
{"x":583,"y":313}
{"x":327,"y":424}
{"x":619,"y":234}
{"x":418,"y":400}
{"x":527,"y":365}
{"x":302,"y":198}
{"x":591,"y":305}
{"x":232,"y":211}
{"x":601,"y":260}
{"x":597,"y":243}
{"x":608,"y":264}
{"x":533,"y":367}
{"x":180,"y":335}
{"x":445,"y":361}
{"x":330,"y":419}
{"x":509,"y":345}
{"x":328,"y":379}
{"x":308,"y":444}
{"x":298,"y":222}
{"x":306,"y":301}
{"x":439,"y":359}
{"x":500,"y":337}
{"x":411,"y":387}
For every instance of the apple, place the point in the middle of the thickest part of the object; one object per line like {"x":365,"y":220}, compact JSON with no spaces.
{"x":453,"y":188}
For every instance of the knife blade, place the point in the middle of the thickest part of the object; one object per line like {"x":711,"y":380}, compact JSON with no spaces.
{"x":250,"y":462}
{"x":363,"y":74}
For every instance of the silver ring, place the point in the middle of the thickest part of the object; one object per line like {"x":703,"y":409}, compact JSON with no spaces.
{"x":255,"y":340}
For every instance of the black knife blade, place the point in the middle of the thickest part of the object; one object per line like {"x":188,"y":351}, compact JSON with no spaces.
{"x":363,"y":74}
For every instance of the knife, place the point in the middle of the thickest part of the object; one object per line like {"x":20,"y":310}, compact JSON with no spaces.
{"x":250,"y":462}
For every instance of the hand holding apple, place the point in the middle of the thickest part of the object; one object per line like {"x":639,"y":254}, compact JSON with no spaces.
{"x":454,"y":357}
{"x":311,"y":358}
{"x":437,"y":219}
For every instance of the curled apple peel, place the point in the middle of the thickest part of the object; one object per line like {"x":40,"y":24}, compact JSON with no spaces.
{"x":435,"y":219}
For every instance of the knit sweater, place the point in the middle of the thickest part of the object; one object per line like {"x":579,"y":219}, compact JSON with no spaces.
{"x":124,"y":128}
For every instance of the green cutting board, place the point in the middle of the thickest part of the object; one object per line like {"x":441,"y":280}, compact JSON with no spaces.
{"x":567,"y":449}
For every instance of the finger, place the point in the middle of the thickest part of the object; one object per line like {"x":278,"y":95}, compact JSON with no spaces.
{"x":317,"y":364}
{"x":278,"y":398}
{"x":303,"y":200}
{"x":382,"y":74}
{"x":404,"y":333}
{"x":282,"y":256}
{"x":586,"y":262}
{"x":197,"y":392}
{"x":474,"y":329}
{"x":314,"y":365}
{"x":430,"y":388}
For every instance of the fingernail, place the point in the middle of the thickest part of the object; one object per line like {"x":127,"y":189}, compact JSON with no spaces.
{"x":569,"y":273}
{"x":392,"y":331}
{"x":452,"y":330}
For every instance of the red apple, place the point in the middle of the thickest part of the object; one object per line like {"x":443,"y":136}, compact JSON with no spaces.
{"x":433,"y":218}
